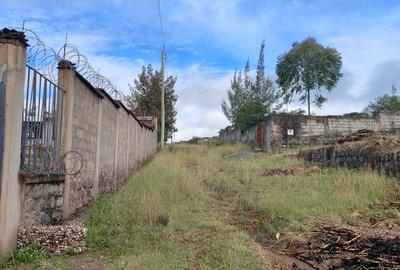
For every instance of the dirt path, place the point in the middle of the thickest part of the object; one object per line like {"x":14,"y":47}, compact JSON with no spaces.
{"x":274,"y":260}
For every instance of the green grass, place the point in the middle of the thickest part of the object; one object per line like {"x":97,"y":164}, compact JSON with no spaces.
{"x":286,"y":202}
{"x":176,"y":212}
{"x":127,"y":224}
{"x":33,"y":254}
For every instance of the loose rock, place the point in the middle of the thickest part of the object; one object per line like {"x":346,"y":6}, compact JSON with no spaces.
{"x":56,"y":239}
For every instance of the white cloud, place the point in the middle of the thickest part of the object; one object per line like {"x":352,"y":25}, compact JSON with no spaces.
{"x":199,"y":105}
{"x":204,"y":29}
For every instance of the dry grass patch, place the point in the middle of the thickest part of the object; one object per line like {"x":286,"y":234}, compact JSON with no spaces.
{"x":191,"y":208}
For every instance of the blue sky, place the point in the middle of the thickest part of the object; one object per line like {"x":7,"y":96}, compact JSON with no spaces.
{"x":206,"y":40}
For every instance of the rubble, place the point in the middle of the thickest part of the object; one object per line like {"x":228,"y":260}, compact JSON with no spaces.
{"x":363,"y":150}
{"x":244,"y":154}
{"x":56,"y":239}
{"x":378,"y":141}
{"x":358,"y":136}
{"x":292,"y":171}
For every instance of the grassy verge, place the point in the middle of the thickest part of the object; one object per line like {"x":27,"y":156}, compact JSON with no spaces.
{"x":176,"y":212}
{"x":162,"y":219}
{"x":292,"y":202}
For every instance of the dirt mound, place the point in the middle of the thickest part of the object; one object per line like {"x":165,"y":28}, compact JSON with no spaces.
{"x":375,"y":141}
{"x":341,"y":247}
{"x":292,"y":171}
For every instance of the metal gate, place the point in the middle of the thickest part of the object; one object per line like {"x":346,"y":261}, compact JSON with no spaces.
{"x":260,"y":135}
{"x":41,"y":123}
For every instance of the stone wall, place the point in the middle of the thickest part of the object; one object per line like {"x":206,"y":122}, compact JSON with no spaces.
{"x":133,"y":126}
{"x":315,"y":129}
{"x":43,"y":203}
{"x":107,"y":146}
{"x":105,"y":133}
{"x":89,"y":125}
{"x":310,"y":129}
{"x":84,"y":140}
{"x":111,"y":140}
{"x":355,"y":158}
{"x":122,"y":157}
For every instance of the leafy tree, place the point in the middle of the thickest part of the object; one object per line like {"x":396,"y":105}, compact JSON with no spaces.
{"x":250,"y":100}
{"x":307,"y":67}
{"x":250,"y":114}
{"x":145,"y":96}
{"x":389,"y":103}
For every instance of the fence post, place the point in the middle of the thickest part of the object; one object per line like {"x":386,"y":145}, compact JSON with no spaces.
{"x":66,"y":78}
{"x":12,"y":78}
{"x":98,"y":147}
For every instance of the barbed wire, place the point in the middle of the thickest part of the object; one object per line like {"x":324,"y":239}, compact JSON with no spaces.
{"x":45,"y":59}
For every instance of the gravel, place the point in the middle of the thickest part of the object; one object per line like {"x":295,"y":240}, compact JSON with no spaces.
{"x":56,"y":239}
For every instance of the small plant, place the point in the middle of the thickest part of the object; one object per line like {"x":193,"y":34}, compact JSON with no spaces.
{"x":33,"y":253}
{"x":3,"y":263}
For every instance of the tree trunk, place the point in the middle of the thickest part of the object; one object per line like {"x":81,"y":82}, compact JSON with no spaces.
{"x":308,"y":101}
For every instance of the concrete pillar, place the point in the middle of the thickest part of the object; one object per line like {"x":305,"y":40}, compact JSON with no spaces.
{"x":66,"y":81}
{"x":141,"y":144}
{"x":116,"y":173}
{"x":12,"y":78}
{"x":136,"y":143}
{"x":146,"y":136}
{"x":128,"y":147}
{"x":99,"y":127}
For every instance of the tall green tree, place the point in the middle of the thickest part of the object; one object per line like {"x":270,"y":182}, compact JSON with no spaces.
{"x":308,"y":67}
{"x":236,"y":97}
{"x":145,"y":96}
{"x":247,"y":77}
{"x":388,"y":103}
{"x":250,"y":100}
{"x":260,"y":74}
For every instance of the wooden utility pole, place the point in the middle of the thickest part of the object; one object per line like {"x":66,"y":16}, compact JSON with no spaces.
{"x":162,"y":97}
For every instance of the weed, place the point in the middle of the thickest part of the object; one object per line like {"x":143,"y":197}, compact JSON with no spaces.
{"x":3,"y":263}
{"x":32,"y":252}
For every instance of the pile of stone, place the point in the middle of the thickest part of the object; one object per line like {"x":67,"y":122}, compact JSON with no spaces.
{"x":369,"y":140}
{"x":56,"y":239}
{"x":244,"y":154}
{"x":360,"y":135}
{"x":292,"y":171}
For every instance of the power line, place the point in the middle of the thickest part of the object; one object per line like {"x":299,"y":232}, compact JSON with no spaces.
{"x":161,"y":24}
{"x":162,"y":78}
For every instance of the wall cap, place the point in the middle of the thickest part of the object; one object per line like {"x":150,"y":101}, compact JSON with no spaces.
{"x":11,"y":36}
